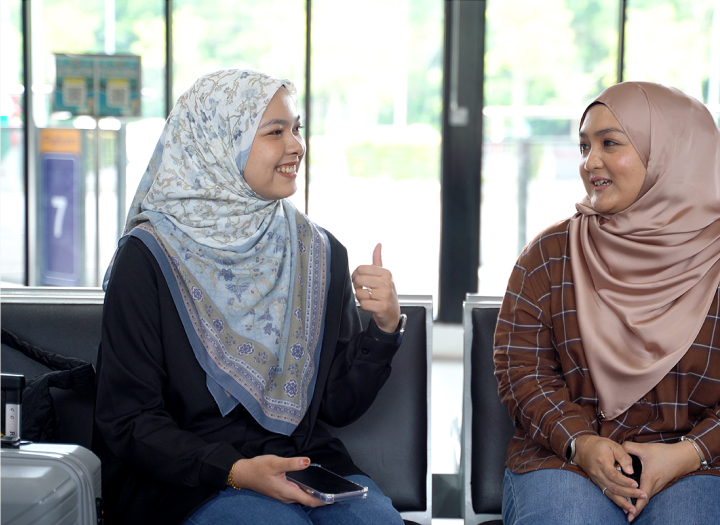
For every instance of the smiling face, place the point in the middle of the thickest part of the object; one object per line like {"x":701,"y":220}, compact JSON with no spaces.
{"x":610,"y":168}
{"x":277,"y":150}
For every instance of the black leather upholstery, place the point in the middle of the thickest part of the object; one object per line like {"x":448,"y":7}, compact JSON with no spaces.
{"x":487,"y":426}
{"x":389,"y":442}
{"x":67,"y":329}
{"x":492,"y":427}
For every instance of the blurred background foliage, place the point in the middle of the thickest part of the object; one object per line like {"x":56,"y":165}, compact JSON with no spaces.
{"x":376,"y":107}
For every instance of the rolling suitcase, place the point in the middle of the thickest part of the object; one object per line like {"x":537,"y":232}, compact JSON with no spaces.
{"x":44,"y":483}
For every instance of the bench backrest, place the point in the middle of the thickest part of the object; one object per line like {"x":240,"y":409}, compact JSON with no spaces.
{"x":64,"y":321}
{"x":487,"y":426}
{"x":390,"y":442}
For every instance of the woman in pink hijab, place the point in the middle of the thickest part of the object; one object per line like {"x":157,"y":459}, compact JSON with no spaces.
{"x":607,"y":348}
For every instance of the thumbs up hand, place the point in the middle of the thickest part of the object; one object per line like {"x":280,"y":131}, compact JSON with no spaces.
{"x":375,"y":289}
{"x":377,"y":255}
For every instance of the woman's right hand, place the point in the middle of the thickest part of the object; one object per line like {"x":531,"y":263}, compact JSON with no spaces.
{"x":266,"y":475}
{"x":597,"y":456}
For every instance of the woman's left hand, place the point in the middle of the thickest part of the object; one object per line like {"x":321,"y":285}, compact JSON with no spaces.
{"x":661,"y":463}
{"x":375,"y":289}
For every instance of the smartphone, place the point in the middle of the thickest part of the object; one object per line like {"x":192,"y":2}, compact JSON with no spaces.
{"x":637,"y":470}
{"x":325,"y":485}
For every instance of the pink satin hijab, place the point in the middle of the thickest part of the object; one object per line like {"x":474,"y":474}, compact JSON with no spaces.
{"x":645,"y":276}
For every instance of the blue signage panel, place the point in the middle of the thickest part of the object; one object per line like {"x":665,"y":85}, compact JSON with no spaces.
{"x":60,"y":220}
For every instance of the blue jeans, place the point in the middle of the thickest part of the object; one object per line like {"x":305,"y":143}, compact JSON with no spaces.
{"x":246,"y":507}
{"x":550,"y":496}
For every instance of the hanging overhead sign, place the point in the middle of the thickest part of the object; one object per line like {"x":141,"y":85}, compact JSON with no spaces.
{"x":97,"y":85}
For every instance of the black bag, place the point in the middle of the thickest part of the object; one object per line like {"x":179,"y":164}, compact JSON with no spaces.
{"x":40,"y":421}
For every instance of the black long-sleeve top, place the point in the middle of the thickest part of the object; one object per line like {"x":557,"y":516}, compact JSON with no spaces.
{"x":166,"y":449}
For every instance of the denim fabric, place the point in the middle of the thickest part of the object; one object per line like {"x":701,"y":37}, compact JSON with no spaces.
{"x":245,"y":507}
{"x":552,"y":496}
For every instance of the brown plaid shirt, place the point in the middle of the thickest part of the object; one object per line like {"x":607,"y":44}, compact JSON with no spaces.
{"x":544,"y":379}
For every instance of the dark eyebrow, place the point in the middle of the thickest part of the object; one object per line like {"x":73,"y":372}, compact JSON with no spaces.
{"x":280,"y":121}
{"x":604,"y":131}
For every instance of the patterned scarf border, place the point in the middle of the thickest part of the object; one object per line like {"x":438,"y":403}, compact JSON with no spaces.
{"x":275,"y":389}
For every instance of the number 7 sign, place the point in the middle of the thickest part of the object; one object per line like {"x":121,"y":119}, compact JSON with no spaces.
{"x":59,"y":220}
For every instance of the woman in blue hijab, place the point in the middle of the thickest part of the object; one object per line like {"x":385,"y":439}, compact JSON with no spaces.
{"x":230,"y":326}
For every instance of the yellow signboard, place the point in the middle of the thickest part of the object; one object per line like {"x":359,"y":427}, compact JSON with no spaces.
{"x":60,"y":141}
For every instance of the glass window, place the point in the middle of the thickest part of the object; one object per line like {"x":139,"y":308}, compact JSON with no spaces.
{"x":676,"y":44}
{"x":12,"y":152}
{"x":536,"y":88}
{"x":112,"y":152}
{"x":266,"y":35}
{"x":375,"y":133}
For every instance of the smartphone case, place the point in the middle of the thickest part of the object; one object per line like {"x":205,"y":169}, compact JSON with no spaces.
{"x":637,"y":471}
{"x":328,"y":497}
{"x":48,"y":483}
{"x":332,"y":498}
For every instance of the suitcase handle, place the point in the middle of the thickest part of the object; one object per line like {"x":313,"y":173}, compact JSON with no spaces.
{"x":13,"y":386}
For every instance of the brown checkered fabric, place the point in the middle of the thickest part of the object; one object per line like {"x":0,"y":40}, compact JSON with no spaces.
{"x":545,"y":382}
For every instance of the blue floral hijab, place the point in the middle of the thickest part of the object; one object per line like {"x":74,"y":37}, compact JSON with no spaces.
{"x":248,"y":276}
